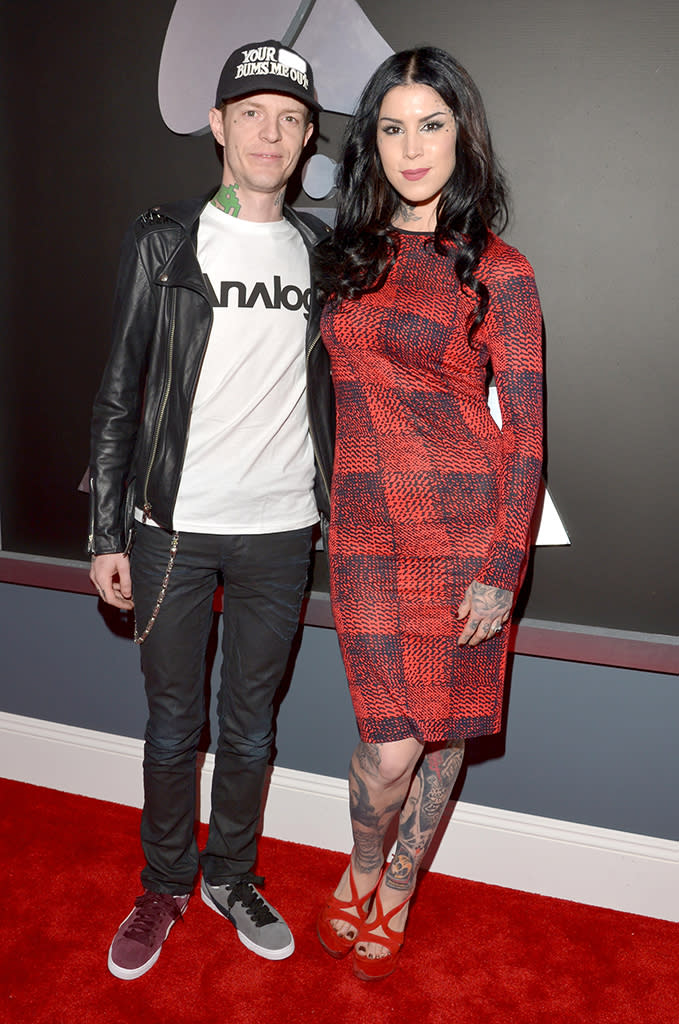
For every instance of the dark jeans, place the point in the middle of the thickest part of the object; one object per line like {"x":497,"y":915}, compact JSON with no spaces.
{"x":264,"y":577}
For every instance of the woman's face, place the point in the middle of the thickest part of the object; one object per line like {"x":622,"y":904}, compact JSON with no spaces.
{"x":416,"y":135}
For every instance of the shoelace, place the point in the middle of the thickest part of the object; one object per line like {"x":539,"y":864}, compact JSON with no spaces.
{"x":150,"y":907}
{"x":244,"y":892}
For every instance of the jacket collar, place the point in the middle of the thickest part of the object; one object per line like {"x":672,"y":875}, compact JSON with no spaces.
{"x":187,"y":213}
{"x":182,"y":266}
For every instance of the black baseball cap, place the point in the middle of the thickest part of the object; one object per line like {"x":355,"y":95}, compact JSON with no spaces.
{"x":267,"y":67}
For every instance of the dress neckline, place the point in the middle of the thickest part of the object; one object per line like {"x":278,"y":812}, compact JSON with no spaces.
{"x":405,"y":231}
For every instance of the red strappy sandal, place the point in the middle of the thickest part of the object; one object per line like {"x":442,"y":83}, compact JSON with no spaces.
{"x":335,"y":909}
{"x":373,"y":968}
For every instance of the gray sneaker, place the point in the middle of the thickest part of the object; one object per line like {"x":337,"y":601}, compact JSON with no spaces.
{"x":259,"y":926}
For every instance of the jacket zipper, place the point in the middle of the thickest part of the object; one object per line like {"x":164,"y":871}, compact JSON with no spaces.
{"x":312,"y":346}
{"x":146,"y":508}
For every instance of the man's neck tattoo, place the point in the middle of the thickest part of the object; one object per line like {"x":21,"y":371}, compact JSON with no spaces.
{"x":280,"y":198}
{"x":225,"y":199}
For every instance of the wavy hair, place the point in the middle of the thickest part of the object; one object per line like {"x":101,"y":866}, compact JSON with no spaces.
{"x":474,"y":200}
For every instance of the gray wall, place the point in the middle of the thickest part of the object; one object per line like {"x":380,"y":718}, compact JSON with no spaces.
{"x":583,"y":743}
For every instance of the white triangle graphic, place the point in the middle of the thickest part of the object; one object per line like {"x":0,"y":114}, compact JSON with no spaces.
{"x":547,"y":525}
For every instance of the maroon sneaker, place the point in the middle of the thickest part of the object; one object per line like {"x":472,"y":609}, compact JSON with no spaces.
{"x":138,"y":941}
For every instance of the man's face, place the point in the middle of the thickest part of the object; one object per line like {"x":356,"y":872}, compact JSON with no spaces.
{"x":263,"y":136}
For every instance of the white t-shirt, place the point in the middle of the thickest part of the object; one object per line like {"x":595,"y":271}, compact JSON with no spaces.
{"x":249,"y":465}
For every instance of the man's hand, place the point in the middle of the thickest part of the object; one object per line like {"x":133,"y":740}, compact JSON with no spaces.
{"x":487,"y":608}
{"x":110,"y":575}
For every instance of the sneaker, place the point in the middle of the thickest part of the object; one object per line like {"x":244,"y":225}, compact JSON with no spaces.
{"x":259,"y":926}
{"x":137,"y":943}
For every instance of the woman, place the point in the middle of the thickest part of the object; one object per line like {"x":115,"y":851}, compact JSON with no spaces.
{"x":431,"y":502}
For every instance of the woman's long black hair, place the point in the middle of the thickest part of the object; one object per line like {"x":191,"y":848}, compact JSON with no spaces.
{"x":474,"y":200}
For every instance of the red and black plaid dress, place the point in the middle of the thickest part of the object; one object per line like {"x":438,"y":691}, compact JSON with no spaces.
{"x":428,"y":494}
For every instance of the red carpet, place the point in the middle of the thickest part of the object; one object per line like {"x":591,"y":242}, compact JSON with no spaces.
{"x":475,"y":954}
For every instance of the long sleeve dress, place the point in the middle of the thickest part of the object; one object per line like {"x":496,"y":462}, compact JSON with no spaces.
{"x":428,"y":494}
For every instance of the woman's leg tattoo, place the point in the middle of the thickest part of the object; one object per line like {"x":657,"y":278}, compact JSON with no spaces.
{"x":372,"y":807}
{"x":427,"y":799}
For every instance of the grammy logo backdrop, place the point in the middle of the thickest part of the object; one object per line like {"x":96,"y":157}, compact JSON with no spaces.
{"x":582,"y":104}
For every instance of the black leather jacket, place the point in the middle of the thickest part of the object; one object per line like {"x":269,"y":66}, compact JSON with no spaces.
{"x":161,"y":324}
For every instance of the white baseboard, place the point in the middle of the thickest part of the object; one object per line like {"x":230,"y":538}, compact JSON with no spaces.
{"x":602,"y":867}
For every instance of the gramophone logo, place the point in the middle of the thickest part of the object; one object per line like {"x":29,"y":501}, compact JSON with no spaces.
{"x":342,"y":46}
{"x":335,"y":36}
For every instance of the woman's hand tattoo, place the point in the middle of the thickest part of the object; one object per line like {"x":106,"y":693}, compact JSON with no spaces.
{"x":486,"y":610}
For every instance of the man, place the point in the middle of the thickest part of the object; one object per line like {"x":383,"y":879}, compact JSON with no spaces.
{"x":211,"y":459}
